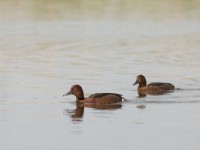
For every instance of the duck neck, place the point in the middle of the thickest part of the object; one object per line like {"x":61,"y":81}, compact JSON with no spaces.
{"x":80,"y":96}
{"x":142,"y":84}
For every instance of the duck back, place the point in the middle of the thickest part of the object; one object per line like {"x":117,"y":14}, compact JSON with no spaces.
{"x":103,"y":98}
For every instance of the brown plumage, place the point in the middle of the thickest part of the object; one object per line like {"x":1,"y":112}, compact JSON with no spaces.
{"x":98,"y":98}
{"x":152,"y":88}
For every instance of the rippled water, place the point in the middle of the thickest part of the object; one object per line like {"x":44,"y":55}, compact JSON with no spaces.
{"x":47,"y":46}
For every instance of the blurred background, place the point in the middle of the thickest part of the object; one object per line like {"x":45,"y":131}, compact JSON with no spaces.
{"x":48,"y":45}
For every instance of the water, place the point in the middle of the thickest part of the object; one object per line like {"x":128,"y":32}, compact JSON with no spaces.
{"x":102,"y":45}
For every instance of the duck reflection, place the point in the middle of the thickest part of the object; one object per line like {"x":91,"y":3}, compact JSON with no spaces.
{"x":103,"y":107}
{"x":77,"y":113}
{"x":155,"y":93}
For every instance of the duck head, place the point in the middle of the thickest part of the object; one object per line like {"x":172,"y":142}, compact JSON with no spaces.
{"x":141,"y":80}
{"x":77,"y":91}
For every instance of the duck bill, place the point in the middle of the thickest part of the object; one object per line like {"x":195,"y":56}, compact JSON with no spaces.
{"x":68,"y":93}
{"x":136,"y":82}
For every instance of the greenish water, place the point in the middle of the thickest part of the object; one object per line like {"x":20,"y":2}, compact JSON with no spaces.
{"x":47,"y":46}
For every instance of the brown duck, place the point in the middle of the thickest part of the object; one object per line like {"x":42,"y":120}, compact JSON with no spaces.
{"x":97,"y":98}
{"x":152,"y":88}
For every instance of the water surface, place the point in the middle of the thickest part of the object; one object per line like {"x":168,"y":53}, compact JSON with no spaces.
{"x":47,"y":46}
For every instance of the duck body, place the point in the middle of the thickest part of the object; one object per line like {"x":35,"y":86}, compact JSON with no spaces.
{"x":97,"y":98}
{"x":153,"y":88}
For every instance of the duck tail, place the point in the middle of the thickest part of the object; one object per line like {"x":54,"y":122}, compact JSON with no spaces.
{"x":124,"y":99}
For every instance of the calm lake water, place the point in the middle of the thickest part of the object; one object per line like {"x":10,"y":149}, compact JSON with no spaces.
{"x":47,"y":46}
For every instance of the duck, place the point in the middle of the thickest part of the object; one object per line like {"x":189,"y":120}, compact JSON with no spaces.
{"x":97,"y":98}
{"x":152,"y":88}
